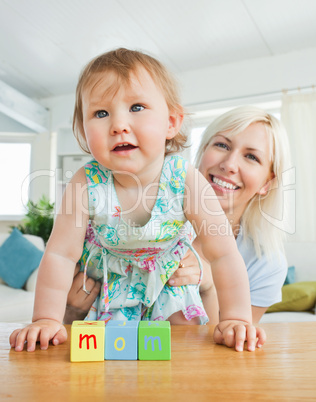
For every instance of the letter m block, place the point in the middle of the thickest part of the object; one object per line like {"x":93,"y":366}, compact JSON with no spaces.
{"x":87,"y":341}
{"x":154,"y":340}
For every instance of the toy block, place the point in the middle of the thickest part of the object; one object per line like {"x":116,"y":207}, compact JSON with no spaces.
{"x":154,"y":340}
{"x":87,"y":341}
{"x":121,"y":340}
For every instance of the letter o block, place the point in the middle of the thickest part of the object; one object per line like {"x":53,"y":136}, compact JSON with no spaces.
{"x":154,"y":340}
{"x":87,"y":341}
{"x":121,"y":340}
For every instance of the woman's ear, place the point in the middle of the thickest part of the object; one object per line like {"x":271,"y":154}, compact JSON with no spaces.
{"x":175,"y":123}
{"x":265,"y":189}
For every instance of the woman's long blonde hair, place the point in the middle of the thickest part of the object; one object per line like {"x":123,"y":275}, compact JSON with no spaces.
{"x":267,"y":234}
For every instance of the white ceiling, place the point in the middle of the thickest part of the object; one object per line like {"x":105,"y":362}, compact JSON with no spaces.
{"x":45,"y":43}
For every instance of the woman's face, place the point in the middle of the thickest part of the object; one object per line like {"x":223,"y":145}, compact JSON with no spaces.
{"x":238,"y":167}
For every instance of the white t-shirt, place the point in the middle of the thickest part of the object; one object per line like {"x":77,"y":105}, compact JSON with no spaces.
{"x":266,"y":275}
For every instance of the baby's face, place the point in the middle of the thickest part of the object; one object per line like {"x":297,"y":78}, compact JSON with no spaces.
{"x":126,"y":124}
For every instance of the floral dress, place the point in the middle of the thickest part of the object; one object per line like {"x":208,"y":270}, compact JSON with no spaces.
{"x":135,"y":263}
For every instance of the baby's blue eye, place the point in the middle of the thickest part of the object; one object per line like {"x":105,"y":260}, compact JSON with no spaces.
{"x":101,"y":113}
{"x":137,"y":108}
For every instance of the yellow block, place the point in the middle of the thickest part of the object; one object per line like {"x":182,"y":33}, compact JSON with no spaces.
{"x":87,"y":341}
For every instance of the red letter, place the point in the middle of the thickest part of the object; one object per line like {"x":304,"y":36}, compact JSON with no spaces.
{"x":81,"y":338}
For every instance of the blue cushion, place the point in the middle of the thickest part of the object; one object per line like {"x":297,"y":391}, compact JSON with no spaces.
{"x":290,"y":277}
{"x":18,"y":259}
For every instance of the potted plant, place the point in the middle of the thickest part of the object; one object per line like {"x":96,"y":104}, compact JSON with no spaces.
{"x":39,"y":219}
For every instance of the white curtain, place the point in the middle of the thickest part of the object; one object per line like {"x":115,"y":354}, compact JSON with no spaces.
{"x":298,"y":114}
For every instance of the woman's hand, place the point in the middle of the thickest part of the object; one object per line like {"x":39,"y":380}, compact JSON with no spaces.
{"x":78,"y":301}
{"x":189,"y":273}
{"x":41,"y":331}
{"x":236,"y":333}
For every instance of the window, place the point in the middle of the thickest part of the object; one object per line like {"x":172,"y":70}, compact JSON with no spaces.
{"x":15,"y":160}
{"x":196,"y":138}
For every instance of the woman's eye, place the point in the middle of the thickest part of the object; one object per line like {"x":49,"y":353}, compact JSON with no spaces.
{"x":221,"y":145}
{"x":101,"y":113}
{"x":137,"y":108}
{"x":252,"y":157}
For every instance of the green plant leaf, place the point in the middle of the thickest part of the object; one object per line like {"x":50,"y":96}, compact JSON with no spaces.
{"x":39,"y":219}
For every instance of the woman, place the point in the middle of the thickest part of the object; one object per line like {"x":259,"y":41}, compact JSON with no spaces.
{"x":243,"y":154}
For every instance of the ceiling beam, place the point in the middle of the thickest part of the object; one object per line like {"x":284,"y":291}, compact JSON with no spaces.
{"x":23,"y":109}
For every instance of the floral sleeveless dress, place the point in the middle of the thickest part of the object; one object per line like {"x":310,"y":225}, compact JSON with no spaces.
{"x":135,"y":263}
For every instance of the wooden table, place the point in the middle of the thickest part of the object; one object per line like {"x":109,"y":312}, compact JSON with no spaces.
{"x":199,"y":370}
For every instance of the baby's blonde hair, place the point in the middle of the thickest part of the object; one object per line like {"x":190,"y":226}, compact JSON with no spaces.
{"x":123,"y":62}
{"x":266,"y":236}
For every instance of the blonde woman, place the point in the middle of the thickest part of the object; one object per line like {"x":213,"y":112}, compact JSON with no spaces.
{"x":243,"y":155}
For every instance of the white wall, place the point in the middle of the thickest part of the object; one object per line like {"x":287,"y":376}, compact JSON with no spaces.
{"x":61,"y":108}
{"x":7,"y":125}
{"x":249,"y":77}
{"x":40,"y":164}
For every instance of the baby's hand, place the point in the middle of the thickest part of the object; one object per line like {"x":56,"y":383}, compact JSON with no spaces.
{"x":236,"y":333}
{"x":42,"y":331}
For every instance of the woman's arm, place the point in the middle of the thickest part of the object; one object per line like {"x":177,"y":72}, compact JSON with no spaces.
{"x":189,"y":274}
{"x":78,"y":301}
{"x":57,"y":267}
{"x":257,"y":313}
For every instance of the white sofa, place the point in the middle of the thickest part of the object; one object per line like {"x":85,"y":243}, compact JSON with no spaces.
{"x":16,"y":305}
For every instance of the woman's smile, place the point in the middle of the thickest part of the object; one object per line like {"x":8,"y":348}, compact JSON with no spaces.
{"x":222,"y":184}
